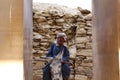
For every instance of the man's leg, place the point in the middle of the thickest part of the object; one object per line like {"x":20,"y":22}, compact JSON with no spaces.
{"x":65,"y":71}
{"x":46,"y":73}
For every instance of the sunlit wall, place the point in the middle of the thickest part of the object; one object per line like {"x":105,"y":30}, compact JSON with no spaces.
{"x":11,"y":70}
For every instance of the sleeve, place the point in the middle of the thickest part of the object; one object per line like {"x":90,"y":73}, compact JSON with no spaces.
{"x":66,"y":55}
{"x":50,"y":51}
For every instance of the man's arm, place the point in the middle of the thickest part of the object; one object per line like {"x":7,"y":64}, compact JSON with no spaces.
{"x":50,"y":51}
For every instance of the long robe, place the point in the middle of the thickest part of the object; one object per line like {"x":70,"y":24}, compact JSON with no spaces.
{"x":53,"y":51}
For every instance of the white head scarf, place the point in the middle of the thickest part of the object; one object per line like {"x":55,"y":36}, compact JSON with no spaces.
{"x":62,"y":35}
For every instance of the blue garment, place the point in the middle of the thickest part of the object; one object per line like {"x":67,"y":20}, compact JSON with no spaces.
{"x":53,"y":51}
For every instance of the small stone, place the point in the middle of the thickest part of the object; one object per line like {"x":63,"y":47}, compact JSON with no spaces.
{"x":88,"y":17}
{"x":89,"y":23}
{"x":81,"y":40}
{"x":60,"y":20}
{"x":81,"y":31}
{"x":38,"y":36}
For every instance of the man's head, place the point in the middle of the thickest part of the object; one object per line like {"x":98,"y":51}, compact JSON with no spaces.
{"x":61,"y":38}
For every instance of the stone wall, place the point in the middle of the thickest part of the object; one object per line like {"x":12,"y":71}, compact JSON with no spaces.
{"x":48,"y":20}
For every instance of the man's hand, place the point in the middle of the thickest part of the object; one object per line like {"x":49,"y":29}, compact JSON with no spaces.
{"x":66,"y":62}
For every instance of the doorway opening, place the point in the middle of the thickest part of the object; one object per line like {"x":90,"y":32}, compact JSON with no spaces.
{"x":49,"y":18}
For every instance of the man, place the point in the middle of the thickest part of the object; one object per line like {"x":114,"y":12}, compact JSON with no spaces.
{"x":54,"y":51}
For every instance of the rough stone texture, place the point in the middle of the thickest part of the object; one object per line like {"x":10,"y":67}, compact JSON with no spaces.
{"x":49,"y":19}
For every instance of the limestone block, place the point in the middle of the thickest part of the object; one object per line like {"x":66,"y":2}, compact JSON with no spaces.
{"x":36,"y":16}
{"x":80,"y":20}
{"x":66,"y":26}
{"x":70,"y":20}
{"x":80,"y":77}
{"x":87,"y":64}
{"x":89,"y":23}
{"x":50,"y":22}
{"x":82,"y":25}
{"x":34,"y":51}
{"x":80,"y":46}
{"x":46,"y":26}
{"x":37,"y":36}
{"x":40,"y":52}
{"x":35,"y":77}
{"x":44,"y":44}
{"x":60,"y":20}
{"x":88,"y":28}
{"x":85,"y":52}
{"x":88,"y":46}
{"x":81,"y":31}
{"x":44,"y":40}
{"x":88,"y":60}
{"x":89,"y":32}
{"x":45,"y":14}
{"x":72,"y":50}
{"x":81,"y":40}
{"x":88,"y":17}
{"x":41,"y":19}
{"x":39,"y":65}
{"x":85,"y":11}
{"x":35,"y":44}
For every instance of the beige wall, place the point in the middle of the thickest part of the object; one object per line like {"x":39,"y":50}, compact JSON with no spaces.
{"x":105,"y":39}
{"x":11,"y":30}
{"x":119,"y":33}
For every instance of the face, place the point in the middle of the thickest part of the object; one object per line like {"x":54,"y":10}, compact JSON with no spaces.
{"x":60,"y":40}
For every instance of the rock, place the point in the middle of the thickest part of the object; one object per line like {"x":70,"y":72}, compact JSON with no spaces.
{"x":81,"y":46}
{"x":60,"y":20}
{"x":50,"y":22}
{"x":38,"y":36}
{"x":44,"y":44}
{"x":80,"y":77}
{"x":88,"y":28}
{"x":35,"y":44}
{"x":80,"y":40}
{"x":39,"y":65}
{"x":87,"y":65}
{"x":66,"y":26}
{"x":89,"y":23}
{"x":41,"y":19}
{"x":35,"y":77}
{"x":88,"y":60}
{"x":82,"y":26}
{"x":87,"y":52}
{"x":72,"y":50}
{"x":88,"y":17}
{"x":88,"y":45}
{"x":81,"y":31}
{"x":89,"y":32}
{"x":40,"y":52}
{"x":34,"y":51}
{"x":46,"y":26}
{"x":84,"y":11}
{"x":80,"y":20}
